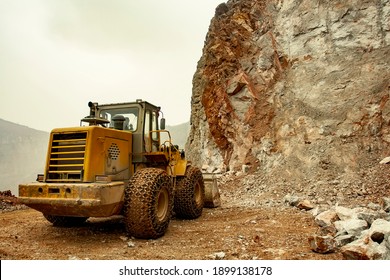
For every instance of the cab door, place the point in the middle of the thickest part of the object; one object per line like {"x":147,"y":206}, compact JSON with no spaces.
{"x":151,"y":140}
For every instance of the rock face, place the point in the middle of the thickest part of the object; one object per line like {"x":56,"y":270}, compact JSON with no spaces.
{"x":294,"y":88}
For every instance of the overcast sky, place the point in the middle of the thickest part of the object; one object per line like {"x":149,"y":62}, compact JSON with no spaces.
{"x":56,"y":55}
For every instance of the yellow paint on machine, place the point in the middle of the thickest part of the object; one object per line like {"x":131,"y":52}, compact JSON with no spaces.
{"x":69,"y":199}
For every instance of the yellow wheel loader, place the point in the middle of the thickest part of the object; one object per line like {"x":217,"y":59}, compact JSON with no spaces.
{"x":120,"y":161}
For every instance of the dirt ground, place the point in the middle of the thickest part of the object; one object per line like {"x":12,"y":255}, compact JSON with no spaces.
{"x":253,"y":222}
{"x":227,"y":232}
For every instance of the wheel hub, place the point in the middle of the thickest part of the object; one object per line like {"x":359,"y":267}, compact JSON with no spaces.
{"x":162,"y":204}
{"x":198,"y":194}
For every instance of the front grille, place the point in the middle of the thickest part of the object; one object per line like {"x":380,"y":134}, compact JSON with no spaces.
{"x":67,"y":157}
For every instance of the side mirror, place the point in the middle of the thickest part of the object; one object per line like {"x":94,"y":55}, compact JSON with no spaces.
{"x":162,"y":123}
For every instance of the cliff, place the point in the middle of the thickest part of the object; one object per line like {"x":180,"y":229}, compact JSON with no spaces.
{"x":293,"y":89}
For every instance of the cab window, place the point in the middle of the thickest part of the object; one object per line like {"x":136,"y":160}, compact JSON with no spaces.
{"x":130,"y":115}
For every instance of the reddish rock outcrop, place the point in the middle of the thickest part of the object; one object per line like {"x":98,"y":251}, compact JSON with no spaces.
{"x":294,"y":88}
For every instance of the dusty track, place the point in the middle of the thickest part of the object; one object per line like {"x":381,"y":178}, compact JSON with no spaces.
{"x":240,"y":233}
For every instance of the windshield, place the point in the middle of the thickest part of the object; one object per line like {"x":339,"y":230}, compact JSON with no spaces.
{"x":130,"y":115}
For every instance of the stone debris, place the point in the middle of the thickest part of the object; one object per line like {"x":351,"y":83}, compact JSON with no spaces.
{"x":385,"y":160}
{"x":291,"y":200}
{"x":328,"y":230}
{"x":123,"y":238}
{"x":342,"y":240}
{"x":305,"y":205}
{"x":322,"y":244}
{"x":326,"y":218}
{"x":345,"y":213}
{"x":372,"y":244}
{"x":352,"y":226}
{"x":217,"y":256}
{"x":9,"y":202}
{"x":359,"y":233}
{"x":386,"y":204}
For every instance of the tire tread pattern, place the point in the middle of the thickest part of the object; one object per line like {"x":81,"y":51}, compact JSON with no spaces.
{"x":185,"y":205}
{"x":140,"y":202}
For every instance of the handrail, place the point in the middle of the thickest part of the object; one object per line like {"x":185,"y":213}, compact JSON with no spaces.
{"x":159,"y":140}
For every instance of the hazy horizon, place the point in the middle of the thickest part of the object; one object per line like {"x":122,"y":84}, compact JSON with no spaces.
{"x":58,"y":55}
{"x":48,"y":131}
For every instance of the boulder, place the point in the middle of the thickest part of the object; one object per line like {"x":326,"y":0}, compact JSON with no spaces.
{"x":305,"y":205}
{"x":352,"y":226}
{"x":380,"y":227}
{"x":328,"y":230}
{"x":342,"y":240}
{"x":373,"y":244}
{"x":326,"y":218}
{"x":322,"y":244}
{"x":345,"y":213}
{"x":386,"y":204}
{"x":370,"y":216}
{"x":361,"y":233}
{"x":365,"y":249}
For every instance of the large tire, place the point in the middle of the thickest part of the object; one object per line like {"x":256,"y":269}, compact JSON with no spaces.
{"x":189,"y":194}
{"x":64,"y":221}
{"x":148,"y":203}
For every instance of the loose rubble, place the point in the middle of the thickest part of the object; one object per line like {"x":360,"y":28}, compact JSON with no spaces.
{"x":258,"y":210}
{"x":360,"y":233}
{"x":9,"y":202}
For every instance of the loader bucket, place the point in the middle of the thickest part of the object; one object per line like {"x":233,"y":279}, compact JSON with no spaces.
{"x":212,"y":197}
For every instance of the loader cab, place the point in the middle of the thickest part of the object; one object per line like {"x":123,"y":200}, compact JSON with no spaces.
{"x":139,"y":118}
{"x":126,"y":118}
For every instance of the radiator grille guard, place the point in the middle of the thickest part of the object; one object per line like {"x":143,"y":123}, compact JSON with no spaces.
{"x":66,"y":162}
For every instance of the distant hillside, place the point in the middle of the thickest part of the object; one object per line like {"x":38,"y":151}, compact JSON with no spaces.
{"x":179,"y":133}
{"x":23,"y":152}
